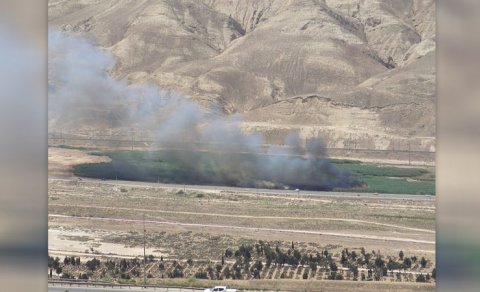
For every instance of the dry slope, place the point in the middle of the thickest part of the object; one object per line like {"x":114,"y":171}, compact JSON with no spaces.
{"x":339,"y":69}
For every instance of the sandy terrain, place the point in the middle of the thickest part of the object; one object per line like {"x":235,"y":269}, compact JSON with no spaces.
{"x":60,"y":160}
{"x":239,"y":216}
{"x":72,"y":241}
{"x":174,"y":218}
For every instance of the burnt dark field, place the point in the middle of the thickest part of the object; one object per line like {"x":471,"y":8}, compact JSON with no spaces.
{"x":262,"y":171}
{"x":220,"y":168}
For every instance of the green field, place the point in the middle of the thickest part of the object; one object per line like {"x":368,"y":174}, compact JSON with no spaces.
{"x":390,"y":179}
{"x":136,"y":165}
{"x":168,"y":166}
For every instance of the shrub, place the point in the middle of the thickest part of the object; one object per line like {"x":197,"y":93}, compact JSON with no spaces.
{"x":333,"y":267}
{"x":67,"y":276}
{"x":201,"y":274}
{"x":135,"y":273}
{"x":125,"y":276}
{"x":423,"y":262}
{"x":176,"y":273}
{"x":228,"y":253}
{"x":420,"y":278}
{"x":379,"y":263}
{"x":392,"y":265}
{"x":258,"y":265}
{"x":297,"y":255}
{"x":93,"y":264}
{"x":53,"y":263}
{"x":305,"y":275}
{"x":256,"y":274}
{"x":354,"y":270}
{"x":227,"y":272}
{"x":335,"y":276}
{"x":110,"y":265}
{"x":83,"y":276}
{"x":237,"y":271}
{"x":407,"y":263}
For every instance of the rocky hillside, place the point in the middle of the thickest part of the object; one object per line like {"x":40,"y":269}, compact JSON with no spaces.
{"x":344,"y":70}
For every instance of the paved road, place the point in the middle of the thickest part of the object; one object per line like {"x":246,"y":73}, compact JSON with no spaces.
{"x":350,"y":195}
{"x":77,"y":288}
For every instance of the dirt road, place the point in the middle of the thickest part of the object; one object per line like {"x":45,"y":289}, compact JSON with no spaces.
{"x":256,"y":191}
{"x":252,"y":217}
{"x":360,"y":236}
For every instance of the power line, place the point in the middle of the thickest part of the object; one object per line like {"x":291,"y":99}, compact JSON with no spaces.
{"x":144,"y":255}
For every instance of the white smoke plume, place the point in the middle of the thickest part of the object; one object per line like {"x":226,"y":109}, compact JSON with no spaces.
{"x":82,"y":92}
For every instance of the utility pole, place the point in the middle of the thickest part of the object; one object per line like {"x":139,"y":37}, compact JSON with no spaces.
{"x":133,"y":141}
{"x":409,"y":151}
{"x":144,"y":255}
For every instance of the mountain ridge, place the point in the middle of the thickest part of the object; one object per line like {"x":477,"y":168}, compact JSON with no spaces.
{"x":373,"y":59}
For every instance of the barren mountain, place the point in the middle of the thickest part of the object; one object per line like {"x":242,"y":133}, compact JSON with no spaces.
{"x":343,"y":70}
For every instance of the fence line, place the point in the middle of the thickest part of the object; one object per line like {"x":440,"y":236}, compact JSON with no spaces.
{"x":402,"y":156}
{"x":138,"y":143}
{"x":71,"y":282}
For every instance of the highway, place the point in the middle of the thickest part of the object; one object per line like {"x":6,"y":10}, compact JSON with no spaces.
{"x":98,"y":288}
{"x":347,"y":195}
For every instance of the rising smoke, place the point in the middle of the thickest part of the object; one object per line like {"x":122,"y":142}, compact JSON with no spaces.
{"x":82,"y":92}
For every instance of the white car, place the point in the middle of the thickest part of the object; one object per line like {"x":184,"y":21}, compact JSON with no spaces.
{"x":220,"y":289}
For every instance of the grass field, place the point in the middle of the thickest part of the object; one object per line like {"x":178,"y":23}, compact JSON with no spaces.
{"x":390,"y":179}
{"x":160,"y":166}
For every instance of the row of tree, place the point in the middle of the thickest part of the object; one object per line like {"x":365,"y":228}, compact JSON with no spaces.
{"x":250,"y":261}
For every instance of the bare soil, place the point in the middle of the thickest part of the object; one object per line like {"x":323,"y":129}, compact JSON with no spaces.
{"x":61,"y":160}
